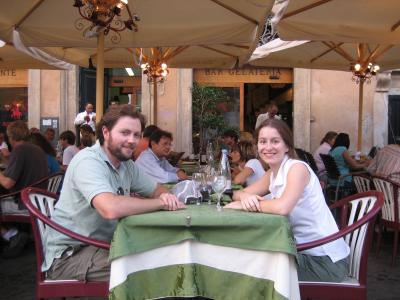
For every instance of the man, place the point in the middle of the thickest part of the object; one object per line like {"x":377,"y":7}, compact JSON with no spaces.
{"x":97,"y":192}
{"x":229,"y":139}
{"x":87,"y":117}
{"x":49,"y":134}
{"x":67,"y":143}
{"x":144,"y":141}
{"x":27,"y":164}
{"x":154,"y":159}
{"x":272,"y":113}
{"x":387,"y":162}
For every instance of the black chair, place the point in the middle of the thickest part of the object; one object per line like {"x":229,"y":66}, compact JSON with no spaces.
{"x":308,"y":158}
{"x":333,"y":174}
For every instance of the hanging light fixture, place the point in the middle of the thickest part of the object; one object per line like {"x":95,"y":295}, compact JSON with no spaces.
{"x":104,"y":15}
{"x":363,"y":71}
{"x":154,"y":65}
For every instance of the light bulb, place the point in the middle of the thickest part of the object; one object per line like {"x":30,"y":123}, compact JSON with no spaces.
{"x":376,"y":68}
{"x":164,"y":66}
{"x":357,"y":67}
{"x":164,"y":73}
{"x":143,"y":66}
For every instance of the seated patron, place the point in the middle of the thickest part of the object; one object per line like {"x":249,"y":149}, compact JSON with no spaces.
{"x":154,"y":161}
{"x":343,"y":159}
{"x":27,"y":165}
{"x":67,"y":142}
{"x":386,"y":163}
{"x":97,"y":193}
{"x":324,"y":148}
{"x":248,"y":168}
{"x":144,"y":141}
{"x":296,"y":193}
{"x":229,"y":139}
{"x":39,"y":140}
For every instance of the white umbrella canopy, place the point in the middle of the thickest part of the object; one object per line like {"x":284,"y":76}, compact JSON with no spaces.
{"x":327,"y":55}
{"x":215,"y":56}
{"x":342,"y":20}
{"x":51,"y":23}
{"x":15,"y":59}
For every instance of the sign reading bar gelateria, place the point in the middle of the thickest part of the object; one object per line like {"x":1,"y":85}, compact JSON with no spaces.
{"x":13,"y":78}
{"x":244,"y":75}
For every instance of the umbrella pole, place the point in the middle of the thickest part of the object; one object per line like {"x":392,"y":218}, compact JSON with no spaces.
{"x":360,"y":110}
{"x":155,"y":101}
{"x":100,"y":76}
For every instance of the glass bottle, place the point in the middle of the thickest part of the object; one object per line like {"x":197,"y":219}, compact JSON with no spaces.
{"x":225,"y":169}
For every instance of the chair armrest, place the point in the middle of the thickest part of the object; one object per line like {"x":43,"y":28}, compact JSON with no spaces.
{"x":4,"y":196}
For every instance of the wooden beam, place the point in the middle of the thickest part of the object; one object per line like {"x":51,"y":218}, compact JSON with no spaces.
{"x":218,"y":51}
{"x":30,"y":11}
{"x":236,"y":12}
{"x":305,"y":8}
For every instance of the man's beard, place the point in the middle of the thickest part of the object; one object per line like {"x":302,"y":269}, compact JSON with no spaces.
{"x":117,"y":151}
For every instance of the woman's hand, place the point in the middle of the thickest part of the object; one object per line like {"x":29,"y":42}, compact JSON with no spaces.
{"x":234,"y":205}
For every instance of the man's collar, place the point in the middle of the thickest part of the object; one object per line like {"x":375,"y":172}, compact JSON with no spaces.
{"x":152,"y":152}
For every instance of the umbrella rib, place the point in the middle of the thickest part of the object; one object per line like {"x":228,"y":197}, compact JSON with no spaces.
{"x":307,"y":7}
{"x":235,"y":12}
{"x":323,"y":53}
{"x":395,"y":26}
{"x":378,"y":52}
{"x":218,"y":51}
{"x":339,"y":50}
{"x":175,"y":52}
{"x":31,"y":10}
{"x":237,"y":46}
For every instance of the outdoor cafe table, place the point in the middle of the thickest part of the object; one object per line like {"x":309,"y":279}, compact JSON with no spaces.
{"x":202,"y":252}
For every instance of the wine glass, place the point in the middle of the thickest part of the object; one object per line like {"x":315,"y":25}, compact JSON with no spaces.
{"x":209,"y":179}
{"x":198,"y":179}
{"x":218,"y":185}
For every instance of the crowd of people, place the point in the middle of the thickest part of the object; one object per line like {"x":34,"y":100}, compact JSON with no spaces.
{"x":119,"y":168}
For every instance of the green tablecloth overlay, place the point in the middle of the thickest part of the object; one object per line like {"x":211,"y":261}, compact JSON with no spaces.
{"x":230,"y":228}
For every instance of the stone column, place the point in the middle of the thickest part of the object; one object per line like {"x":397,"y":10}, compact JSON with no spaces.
{"x":380,"y":109}
{"x":302,"y":108}
{"x":34,"y":96}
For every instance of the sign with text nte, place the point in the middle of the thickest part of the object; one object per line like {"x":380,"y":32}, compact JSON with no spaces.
{"x":13,"y":78}
{"x":8,"y":72}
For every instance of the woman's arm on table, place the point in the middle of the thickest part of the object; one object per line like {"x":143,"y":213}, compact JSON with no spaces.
{"x":241,"y":176}
{"x":353,"y":164}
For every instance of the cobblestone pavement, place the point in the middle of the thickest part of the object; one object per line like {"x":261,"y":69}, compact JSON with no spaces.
{"x":17,"y":276}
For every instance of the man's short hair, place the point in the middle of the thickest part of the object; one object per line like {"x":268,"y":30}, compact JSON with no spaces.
{"x":149,"y":130}
{"x":158,"y":135}
{"x":18,"y":131}
{"x":231,"y":133}
{"x":69,"y":136}
{"x":113,"y":114}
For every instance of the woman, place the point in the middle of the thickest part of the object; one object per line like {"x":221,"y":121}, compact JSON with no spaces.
{"x":248,"y":169}
{"x":343,"y":159}
{"x":39,"y":140}
{"x":324,"y":148}
{"x":296,"y":193}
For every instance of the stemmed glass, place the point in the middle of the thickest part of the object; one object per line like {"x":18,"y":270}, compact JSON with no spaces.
{"x":218,"y":185}
{"x":209,"y":179}
{"x":198,"y":180}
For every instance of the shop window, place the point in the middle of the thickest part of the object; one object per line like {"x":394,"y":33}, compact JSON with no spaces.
{"x":13,"y":105}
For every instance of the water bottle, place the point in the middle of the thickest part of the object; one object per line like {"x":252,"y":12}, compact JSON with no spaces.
{"x":210,"y":155}
{"x":225,"y":169}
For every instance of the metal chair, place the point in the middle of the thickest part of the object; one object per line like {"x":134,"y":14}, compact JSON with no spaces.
{"x":358,"y":214}
{"x":40,"y":204}
{"x":308,"y":158}
{"x":54,"y":182}
{"x":334,"y":175}
{"x":390,"y":211}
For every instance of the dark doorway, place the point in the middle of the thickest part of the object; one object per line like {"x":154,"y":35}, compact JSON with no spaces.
{"x":394,"y":119}
{"x":87,"y":88}
{"x":257,"y":97}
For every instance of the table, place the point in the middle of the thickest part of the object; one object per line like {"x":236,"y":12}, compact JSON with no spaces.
{"x":202,"y":252}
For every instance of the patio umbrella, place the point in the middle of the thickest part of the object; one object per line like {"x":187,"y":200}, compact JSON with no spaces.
{"x":328,"y":55}
{"x":52,"y":23}
{"x":342,"y":21}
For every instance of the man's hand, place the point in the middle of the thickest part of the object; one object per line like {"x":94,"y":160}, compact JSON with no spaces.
{"x":171,"y":202}
{"x":94,"y":118}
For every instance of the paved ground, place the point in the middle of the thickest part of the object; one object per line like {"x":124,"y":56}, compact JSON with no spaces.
{"x":17,"y":276}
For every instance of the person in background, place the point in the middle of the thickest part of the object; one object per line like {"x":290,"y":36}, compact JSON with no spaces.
{"x":50,"y":135}
{"x":4,"y":150}
{"x":97,"y":193}
{"x":229,"y":139}
{"x":87,"y":136}
{"x":154,"y":161}
{"x":67,"y":143}
{"x":248,"y":168}
{"x":343,"y":159}
{"x":246,"y":136}
{"x":34,"y":130}
{"x":386,"y":163}
{"x":296,"y":193}
{"x":27,"y":164}
{"x":272,"y":113}
{"x":144,"y":141}
{"x":324,"y":148}
{"x":87,"y":117}
{"x":40,"y":141}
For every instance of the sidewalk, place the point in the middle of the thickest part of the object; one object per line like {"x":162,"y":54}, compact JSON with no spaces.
{"x":17,"y":276}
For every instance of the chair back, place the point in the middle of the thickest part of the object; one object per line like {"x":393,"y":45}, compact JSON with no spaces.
{"x":331,"y":167}
{"x":40,"y":203}
{"x":308,"y":158}
{"x":390,"y":190}
{"x":363,"y":209}
{"x":51,"y":183}
{"x":362,"y":183}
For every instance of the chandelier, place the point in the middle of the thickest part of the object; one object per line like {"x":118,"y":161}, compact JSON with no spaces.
{"x":362,"y":72}
{"x":154,"y":65}
{"x":104,"y":15}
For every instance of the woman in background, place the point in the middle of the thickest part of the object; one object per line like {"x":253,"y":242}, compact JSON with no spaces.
{"x":324,"y":148}
{"x":39,"y":140}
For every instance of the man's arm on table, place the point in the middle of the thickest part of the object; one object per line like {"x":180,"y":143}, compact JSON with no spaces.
{"x":6,"y":182}
{"x":112,"y":206}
